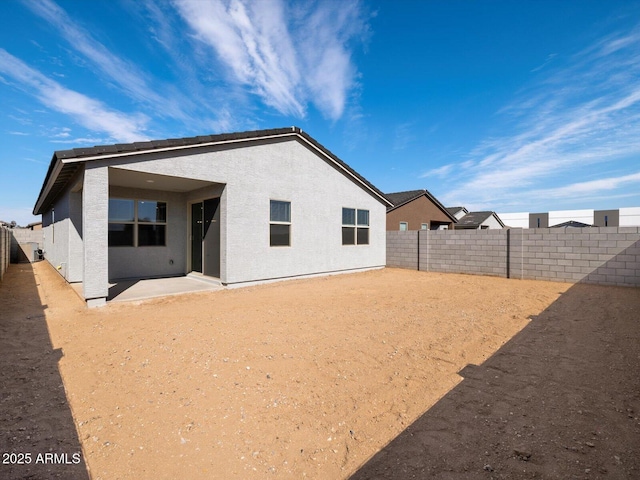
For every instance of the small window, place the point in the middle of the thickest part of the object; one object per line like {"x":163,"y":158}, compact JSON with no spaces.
{"x":606,"y":220}
{"x":355,"y":227}
{"x":538,"y":222}
{"x":280,"y":223}
{"x":424,"y":226}
{"x":404,"y":226}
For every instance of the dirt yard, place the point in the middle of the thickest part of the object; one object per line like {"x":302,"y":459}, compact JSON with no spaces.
{"x":384,"y":374}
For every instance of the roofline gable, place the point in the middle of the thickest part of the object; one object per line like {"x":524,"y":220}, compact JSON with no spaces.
{"x":430,"y":197}
{"x":78,"y":156}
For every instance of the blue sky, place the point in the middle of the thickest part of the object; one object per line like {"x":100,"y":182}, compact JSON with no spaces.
{"x":506,"y":106}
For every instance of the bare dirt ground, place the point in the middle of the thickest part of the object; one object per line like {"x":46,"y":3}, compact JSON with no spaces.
{"x":347,"y":376}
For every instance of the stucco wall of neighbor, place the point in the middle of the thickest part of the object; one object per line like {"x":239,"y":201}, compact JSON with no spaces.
{"x":630,"y":217}
{"x":492,"y":222}
{"x":515,"y":220}
{"x":543,"y":217}
{"x":279,"y":170}
{"x":415,"y":213}
{"x":609,"y":217}
{"x":599,"y":255}
{"x":561,"y":216}
{"x":156,"y":261}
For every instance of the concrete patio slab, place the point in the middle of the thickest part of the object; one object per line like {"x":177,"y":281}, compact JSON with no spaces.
{"x":143,"y":289}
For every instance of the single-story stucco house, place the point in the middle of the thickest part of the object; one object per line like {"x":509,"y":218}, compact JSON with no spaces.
{"x":241,"y":207}
{"x":417,"y":210}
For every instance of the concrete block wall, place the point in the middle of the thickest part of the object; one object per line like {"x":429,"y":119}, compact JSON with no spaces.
{"x":5,"y":250}
{"x":402,"y":249}
{"x":20,"y":236}
{"x":600,"y":255}
{"x":479,"y":252}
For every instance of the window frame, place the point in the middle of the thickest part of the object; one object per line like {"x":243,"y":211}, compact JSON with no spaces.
{"x":424,"y":226}
{"x":137,"y":222}
{"x":406,"y":226}
{"x":279,"y":222}
{"x":357,"y":227}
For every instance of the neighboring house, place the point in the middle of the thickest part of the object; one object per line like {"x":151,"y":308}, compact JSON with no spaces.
{"x":457,"y":212}
{"x":417,"y":210}
{"x":241,"y":207}
{"x":571,"y":224}
{"x":34,"y":226}
{"x":479,"y":221}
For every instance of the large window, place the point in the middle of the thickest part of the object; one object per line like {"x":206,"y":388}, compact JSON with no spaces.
{"x":355,"y":226}
{"x":280,"y":223}
{"x":137,"y":223}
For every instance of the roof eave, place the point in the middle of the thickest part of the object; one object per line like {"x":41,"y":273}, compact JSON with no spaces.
{"x":57,"y":162}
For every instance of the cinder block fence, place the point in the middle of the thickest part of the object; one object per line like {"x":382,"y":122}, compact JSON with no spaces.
{"x":5,"y":250}
{"x":604,"y":255}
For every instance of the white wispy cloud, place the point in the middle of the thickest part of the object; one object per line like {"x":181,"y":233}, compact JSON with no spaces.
{"x":289,"y":56}
{"x":589,"y":188}
{"x":442,"y":171}
{"x":127,"y":75}
{"x":87,"y":111}
{"x":573,"y":120}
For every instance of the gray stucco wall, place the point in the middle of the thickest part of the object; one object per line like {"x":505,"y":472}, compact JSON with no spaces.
{"x":605,"y":255}
{"x":55,"y":227}
{"x":282,"y":170}
{"x":95,"y":216}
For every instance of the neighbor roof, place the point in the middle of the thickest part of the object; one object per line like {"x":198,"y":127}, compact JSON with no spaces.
{"x":571,"y":224}
{"x":454,"y":210}
{"x":475,"y":219}
{"x":65,"y":163}
{"x":399,"y":199}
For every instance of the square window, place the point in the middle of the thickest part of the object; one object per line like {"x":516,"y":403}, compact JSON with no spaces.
{"x":348,"y":236}
{"x":280,"y":211}
{"x":348,"y":216}
{"x":355,"y":226}
{"x":404,"y":226}
{"x":120,"y":235}
{"x":363,"y":236}
{"x":151,"y":235}
{"x":279,"y":235}
{"x":121,"y":210}
{"x":137,"y":223}
{"x":152,"y":212}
